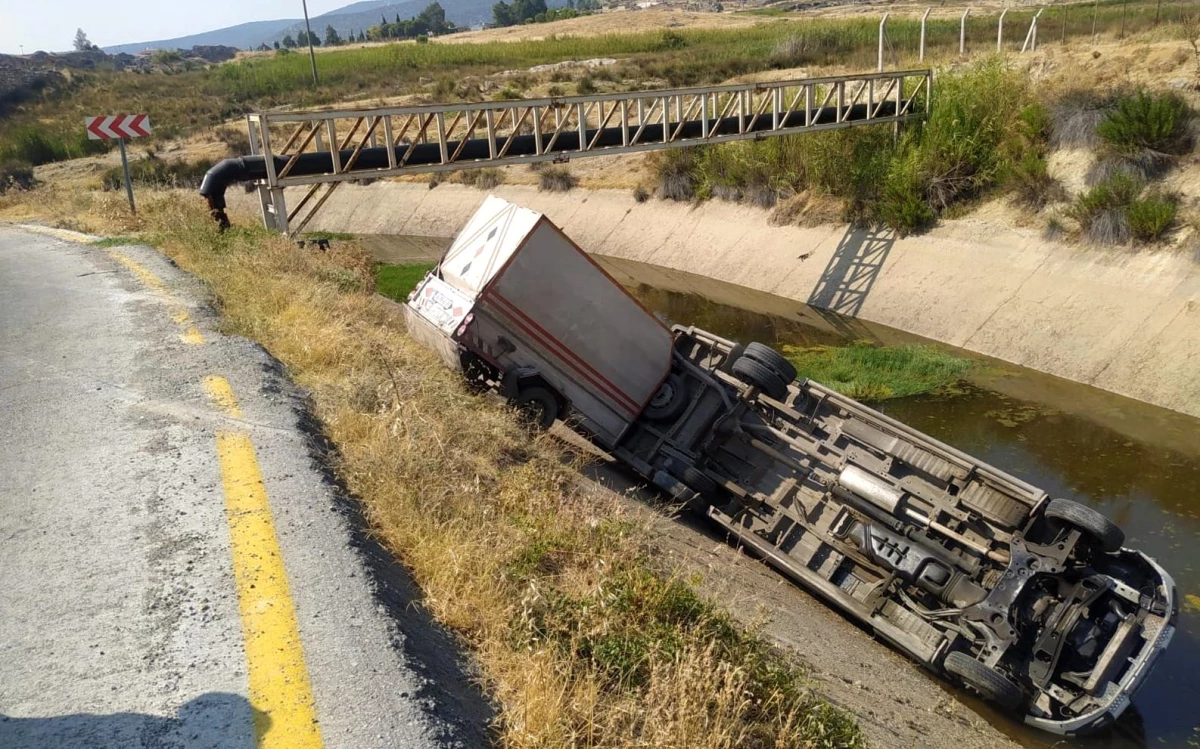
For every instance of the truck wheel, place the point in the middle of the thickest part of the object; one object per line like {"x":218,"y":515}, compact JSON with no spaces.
{"x":1102,"y":531}
{"x":699,"y":482}
{"x":537,"y":406}
{"x":764,"y":354}
{"x":761,"y":376}
{"x":988,"y":682}
{"x":669,"y":401}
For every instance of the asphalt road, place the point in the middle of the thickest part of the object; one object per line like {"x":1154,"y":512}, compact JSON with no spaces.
{"x":176,"y":567}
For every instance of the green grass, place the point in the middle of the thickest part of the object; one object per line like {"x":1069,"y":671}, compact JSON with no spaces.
{"x":875,"y":373}
{"x":109,"y":242}
{"x":396,"y":281}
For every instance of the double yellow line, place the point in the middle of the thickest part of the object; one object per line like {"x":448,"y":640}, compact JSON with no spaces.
{"x":285,"y":715}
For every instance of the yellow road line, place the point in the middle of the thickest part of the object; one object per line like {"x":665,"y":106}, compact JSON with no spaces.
{"x":222,"y":394}
{"x":190,"y":334}
{"x":280,"y":692}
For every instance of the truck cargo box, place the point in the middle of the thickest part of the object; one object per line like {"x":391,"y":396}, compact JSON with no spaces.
{"x":516,"y":292}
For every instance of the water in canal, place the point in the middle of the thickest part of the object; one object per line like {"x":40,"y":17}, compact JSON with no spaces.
{"x":1138,"y":464}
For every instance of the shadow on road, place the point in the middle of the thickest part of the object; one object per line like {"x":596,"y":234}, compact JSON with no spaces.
{"x":217,"y":720}
{"x":852,"y":271}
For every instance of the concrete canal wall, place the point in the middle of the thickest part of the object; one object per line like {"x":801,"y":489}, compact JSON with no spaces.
{"x":1124,"y":321}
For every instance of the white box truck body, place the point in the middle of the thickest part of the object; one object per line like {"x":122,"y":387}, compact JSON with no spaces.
{"x":515,"y":292}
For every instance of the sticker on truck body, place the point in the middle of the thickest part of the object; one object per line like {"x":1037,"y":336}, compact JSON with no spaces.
{"x":441,"y":304}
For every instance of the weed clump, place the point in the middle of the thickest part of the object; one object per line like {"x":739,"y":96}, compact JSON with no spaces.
{"x":675,"y":171}
{"x":1074,"y":115}
{"x":16,"y":176}
{"x":1101,"y":212}
{"x":868,"y":372}
{"x":1151,"y":216}
{"x":585,"y":85}
{"x":483,"y":179}
{"x":556,"y":178}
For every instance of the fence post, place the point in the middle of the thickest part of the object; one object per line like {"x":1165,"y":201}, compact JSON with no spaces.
{"x":1031,"y":35}
{"x":882,"y":32}
{"x":923,"y":18}
{"x":1000,"y":31}
{"x":962,"y":33}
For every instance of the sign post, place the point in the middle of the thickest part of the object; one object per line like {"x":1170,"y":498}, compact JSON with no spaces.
{"x":119,"y":128}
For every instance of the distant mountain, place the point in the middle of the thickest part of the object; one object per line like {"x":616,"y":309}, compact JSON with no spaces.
{"x":355,"y":17}
{"x":242,"y":36}
{"x":459,"y":12}
{"x":356,"y":7}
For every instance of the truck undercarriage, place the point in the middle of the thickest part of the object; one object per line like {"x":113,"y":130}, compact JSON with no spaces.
{"x":1027,"y":600}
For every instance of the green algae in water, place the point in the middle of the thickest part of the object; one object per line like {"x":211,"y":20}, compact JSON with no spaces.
{"x":874,"y":373}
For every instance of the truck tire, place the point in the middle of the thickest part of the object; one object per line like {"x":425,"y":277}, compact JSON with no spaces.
{"x":699,"y":482}
{"x":669,"y":401}
{"x":759,"y":375}
{"x":764,"y":354}
{"x":537,"y":406}
{"x":988,"y":682}
{"x":1102,"y":531}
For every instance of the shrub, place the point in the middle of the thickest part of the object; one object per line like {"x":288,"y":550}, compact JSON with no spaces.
{"x":556,"y":178}
{"x":904,"y":206}
{"x":1102,"y":211}
{"x":671,"y":40}
{"x":554,"y":90}
{"x":16,"y":176}
{"x":1151,"y":217}
{"x":1031,"y":183}
{"x":508,"y":93}
{"x":640,"y":194}
{"x":674,"y":170}
{"x":237,"y":141}
{"x":585,"y":85}
{"x":488,"y":178}
{"x":1148,"y":121}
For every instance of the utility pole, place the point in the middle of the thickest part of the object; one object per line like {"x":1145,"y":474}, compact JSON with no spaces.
{"x":312,"y":56}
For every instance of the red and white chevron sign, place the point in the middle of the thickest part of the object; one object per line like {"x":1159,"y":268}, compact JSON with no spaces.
{"x":118,"y":126}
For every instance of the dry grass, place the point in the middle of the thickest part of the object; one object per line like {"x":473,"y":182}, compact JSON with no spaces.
{"x":546,"y":579}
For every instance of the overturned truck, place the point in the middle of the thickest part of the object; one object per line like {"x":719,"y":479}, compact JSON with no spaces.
{"x":1031,"y":601}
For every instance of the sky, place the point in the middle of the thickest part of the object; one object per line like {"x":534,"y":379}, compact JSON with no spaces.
{"x":51,"y":24}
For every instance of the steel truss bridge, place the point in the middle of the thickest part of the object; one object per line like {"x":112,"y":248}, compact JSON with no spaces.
{"x":323,"y":149}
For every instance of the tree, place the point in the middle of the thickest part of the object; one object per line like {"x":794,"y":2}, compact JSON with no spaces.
{"x":332,"y":38}
{"x":276,"y":44}
{"x":289,"y":42}
{"x":82,"y":43}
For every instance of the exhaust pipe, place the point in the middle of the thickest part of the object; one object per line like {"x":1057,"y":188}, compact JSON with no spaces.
{"x":253,"y":168}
